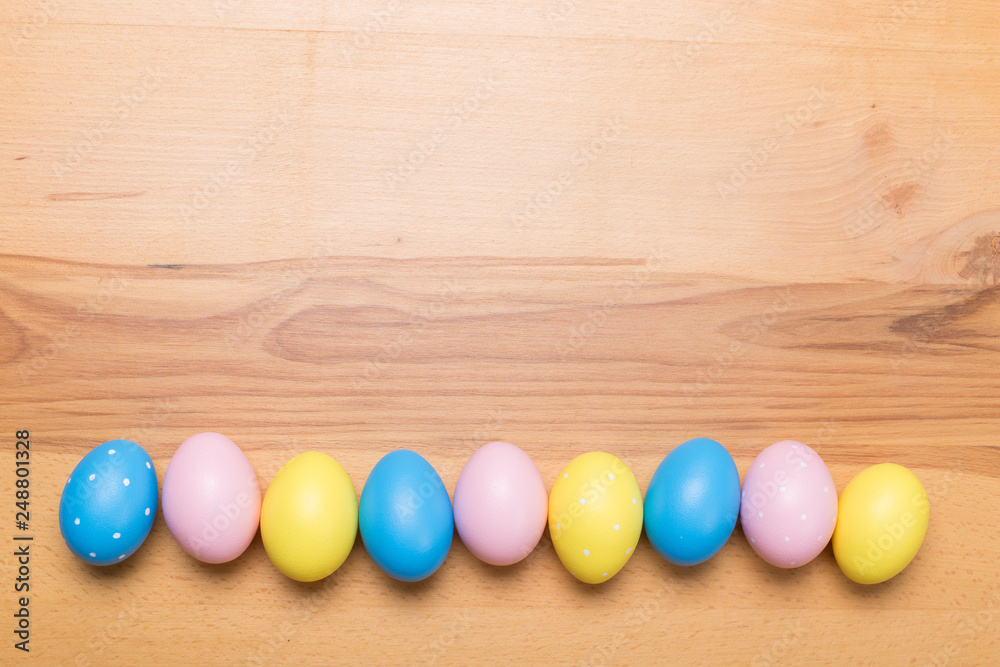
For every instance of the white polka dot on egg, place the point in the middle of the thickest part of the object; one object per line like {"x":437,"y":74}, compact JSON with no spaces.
{"x":111,"y":451}
{"x":126,"y":482}
{"x":76,"y":521}
{"x":92,"y":476}
{"x":586,"y":552}
{"x":116,"y":535}
{"x":147,"y":511}
{"x":583,"y":501}
{"x":617,"y":526}
{"x":93,"y":555}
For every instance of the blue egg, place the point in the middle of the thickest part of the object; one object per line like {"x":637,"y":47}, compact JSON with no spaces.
{"x":405,"y":516}
{"x":109,"y":503}
{"x":692,"y":502}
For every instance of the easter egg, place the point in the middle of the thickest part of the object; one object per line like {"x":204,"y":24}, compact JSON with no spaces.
{"x":789,"y":504}
{"x":211,"y":498}
{"x":881,"y":523}
{"x":109,"y":503}
{"x":309,"y":517}
{"x":692,"y":502}
{"x":406,"y":517}
{"x":500,"y":504}
{"x":595,"y":516}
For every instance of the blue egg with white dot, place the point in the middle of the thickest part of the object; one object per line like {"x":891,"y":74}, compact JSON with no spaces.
{"x":693,"y":502}
{"x":109,"y":503}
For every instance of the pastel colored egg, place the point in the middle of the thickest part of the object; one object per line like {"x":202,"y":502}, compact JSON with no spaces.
{"x":881,"y":523}
{"x":500,"y":504}
{"x":692,"y":502}
{"x":789,"y":504}
{"x":309,"y":517}
{"x":211,"y":498}
{"x":109,"y":503}
{"x":595,"y":516}
{"x":406,"y":516}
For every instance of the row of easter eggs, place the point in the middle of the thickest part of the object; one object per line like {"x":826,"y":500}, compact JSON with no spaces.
{"x":309,"y":516}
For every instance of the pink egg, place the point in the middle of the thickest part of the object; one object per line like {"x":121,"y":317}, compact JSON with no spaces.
{"x":211,"y":498}
{"x":788,"y":505}
{"x":501,"y":506}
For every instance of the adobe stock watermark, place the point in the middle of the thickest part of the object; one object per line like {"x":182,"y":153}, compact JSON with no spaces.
{"x":739,"y":346}
{"x":362,"y":37}
{"x":229,"y":510}
{"x":711,"y":32}
{"x":590,"y":491}
{"x":225,"y":7}
{"x":117,"y":630}
{"x":761,"y":154}
{"x":892,"y":533}
{"x":585,"y":154}
{"x":638,"y":615}
{"x":281,"y":635}
{"x":92,"y":306}
{"x":796,"y":457}
{"x":30,"y":24}
{"x":777,"y":651}
{"x":82,"y":492}
{"x":426,"y":147}
{"x":255,"y":317}
{"x":163,"y":408}
{"x":487,"y":432}
{"x":90,"y":140}
{"x":624,"y":290}
{"x":225,"y":177}
{"x":448,"y":637}
{"x":875,"y":212}
{"x":393,"y":350}
{"x":899,"y":14}
{"x":561,"y":12}
{"x":969,"y":625}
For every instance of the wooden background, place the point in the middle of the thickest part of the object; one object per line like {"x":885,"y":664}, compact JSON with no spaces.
{"x":569,"y":224}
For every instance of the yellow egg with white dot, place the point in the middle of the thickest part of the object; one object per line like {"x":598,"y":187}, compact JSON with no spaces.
{"x":595,"y":516}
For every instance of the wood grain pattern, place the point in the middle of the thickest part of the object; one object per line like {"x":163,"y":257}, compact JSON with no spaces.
{"x":570,"y":225}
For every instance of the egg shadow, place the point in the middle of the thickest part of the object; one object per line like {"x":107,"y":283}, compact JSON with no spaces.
{"x":684,"y":573}
{"x":888,"y":589}
{"x":774,"y":575}
{"x":402,"y":589}
{"x":124,"y":569}
{"x":499,"y":573}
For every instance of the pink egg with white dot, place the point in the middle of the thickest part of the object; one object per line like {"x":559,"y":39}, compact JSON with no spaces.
{"x":788,"y":504}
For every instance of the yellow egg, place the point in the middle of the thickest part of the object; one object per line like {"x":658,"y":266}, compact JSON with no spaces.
{"x":881,"y":521}
{"x":309,"y":517}
{"x":595,"y":516}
